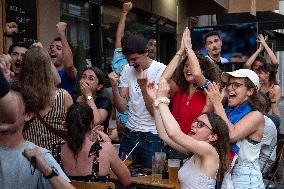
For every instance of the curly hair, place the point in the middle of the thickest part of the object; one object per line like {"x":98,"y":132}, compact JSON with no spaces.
{"x":36,"y":75}
{"x":210,"y":71}
{"x":78,"y":122}
{"x":222,"y":145}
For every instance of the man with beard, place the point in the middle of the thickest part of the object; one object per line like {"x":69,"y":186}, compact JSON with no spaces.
{"x":213,"y":44}
{"x":62,"y":57}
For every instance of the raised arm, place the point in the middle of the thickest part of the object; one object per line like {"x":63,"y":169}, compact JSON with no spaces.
{"x":142,"y":81}
{"x":243,"y":128}
{"x":121,"y":25}
{"x":173,"y":129}
{"x":252,"y":58}
{"x":100,"y":115}
{"x":120,"y":95}
{"x":67,"y":56}
{"x":192,"y":59}
{"x":10,"y":29}
{"x":152,"y":92}
{"x":270,"y":53}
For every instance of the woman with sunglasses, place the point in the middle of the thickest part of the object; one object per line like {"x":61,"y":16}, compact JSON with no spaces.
{"x":243,"y":114}
{"x":208,"y":141}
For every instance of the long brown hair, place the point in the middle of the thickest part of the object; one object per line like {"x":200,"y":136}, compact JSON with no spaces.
{"x":78,"y":122}
{"x":209,"y":70}
{"x":222,"y":145}
{"x":36,"y":75}
{"x":255,"y":99}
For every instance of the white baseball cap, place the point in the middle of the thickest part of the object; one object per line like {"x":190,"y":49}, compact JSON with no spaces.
{"x":251,"y":75}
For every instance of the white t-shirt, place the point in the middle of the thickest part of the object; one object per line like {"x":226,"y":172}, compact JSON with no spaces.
{"x":139,"y":119}
{"x":268,"y":143}
{"x":223,"y":60}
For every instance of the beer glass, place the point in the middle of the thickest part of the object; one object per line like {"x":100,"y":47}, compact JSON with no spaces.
{"x":173,"y":167}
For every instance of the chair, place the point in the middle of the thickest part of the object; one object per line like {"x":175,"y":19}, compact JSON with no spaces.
{"x":93,"y":185}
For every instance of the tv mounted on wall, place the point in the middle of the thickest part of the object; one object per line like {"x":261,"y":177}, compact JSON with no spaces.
{"x":237,"y":38}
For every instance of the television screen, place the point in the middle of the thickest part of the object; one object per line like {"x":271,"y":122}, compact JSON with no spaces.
{"x":237,"y":39}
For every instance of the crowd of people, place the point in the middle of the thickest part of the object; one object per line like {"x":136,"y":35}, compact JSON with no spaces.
{"x":223,"y":126}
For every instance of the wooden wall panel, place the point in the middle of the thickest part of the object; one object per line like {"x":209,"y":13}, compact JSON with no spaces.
{"x":236,"y":6}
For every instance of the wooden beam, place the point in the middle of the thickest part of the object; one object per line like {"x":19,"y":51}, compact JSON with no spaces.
{"x":238,"y":6}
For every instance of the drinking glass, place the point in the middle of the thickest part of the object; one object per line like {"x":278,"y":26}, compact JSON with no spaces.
{"x":173,"y":167}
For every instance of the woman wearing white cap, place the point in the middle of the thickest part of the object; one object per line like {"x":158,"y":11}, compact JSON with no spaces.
{"x":243,"y":115}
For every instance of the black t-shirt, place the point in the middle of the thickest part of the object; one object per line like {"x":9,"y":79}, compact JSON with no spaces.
{"x":104,"y":103}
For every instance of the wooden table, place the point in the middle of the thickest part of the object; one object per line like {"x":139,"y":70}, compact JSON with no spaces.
{"x":149,"y":182}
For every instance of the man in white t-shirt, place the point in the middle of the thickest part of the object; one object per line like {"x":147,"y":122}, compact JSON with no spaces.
{"x":213,"y":44}
{"x":268,"y":145}
{"x":140,"y":129}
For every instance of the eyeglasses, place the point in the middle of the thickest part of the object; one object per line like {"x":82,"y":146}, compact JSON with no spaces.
{"x":234,"y":85}
{"x":200,"y":124}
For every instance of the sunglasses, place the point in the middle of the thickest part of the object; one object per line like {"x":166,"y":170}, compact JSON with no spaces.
{"x":200,"y":124}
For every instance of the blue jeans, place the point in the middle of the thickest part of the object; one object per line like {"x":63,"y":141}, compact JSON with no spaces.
{"x":148,"y":145}
{"x":247,"y":175}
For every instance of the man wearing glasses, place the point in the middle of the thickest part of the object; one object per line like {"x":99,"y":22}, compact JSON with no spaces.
{"x":140,"y":127}
{"x":23,"y":164}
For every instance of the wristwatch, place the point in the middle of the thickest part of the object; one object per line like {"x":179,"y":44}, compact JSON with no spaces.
{"x":52,"y":174}
{"x":164,"y":100}
{"x":89,"y":97}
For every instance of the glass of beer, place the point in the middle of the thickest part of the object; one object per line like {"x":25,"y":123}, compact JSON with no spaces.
{"x":173,"y":167}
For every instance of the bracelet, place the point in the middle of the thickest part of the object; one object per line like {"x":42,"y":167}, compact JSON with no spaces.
{"x":164,"y":100}
{"x":179,"y":55}
{"x":205,"y":86}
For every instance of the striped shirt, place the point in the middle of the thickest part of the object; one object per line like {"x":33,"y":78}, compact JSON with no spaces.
{"x":37,"y":133}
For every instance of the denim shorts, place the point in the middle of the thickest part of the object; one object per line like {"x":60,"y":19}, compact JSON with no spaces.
{"x":247,"y":176}
{"x":148,"y":144}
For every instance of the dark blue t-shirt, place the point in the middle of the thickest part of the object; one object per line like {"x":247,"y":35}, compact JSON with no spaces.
{"x":67,"y":83}
{"x":104,"y":103}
